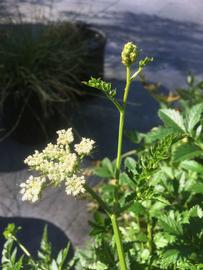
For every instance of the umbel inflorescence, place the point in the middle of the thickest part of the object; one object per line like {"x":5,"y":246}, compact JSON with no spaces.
{"x":57,"y":164}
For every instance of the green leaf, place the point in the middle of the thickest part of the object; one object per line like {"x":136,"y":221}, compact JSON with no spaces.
{"x":11,"y":230}
{"x":98,"y":266}
{"x":101,"y":85}
{"x":105,"y":169}
{"x":198,"y":131}
{"x":126,"y":180}
{"x":192,"y":165}
{"x":9,"y":260}
{"x":138,"y":208}
{"x":45,"y":251}
{"x":196,"y":211}
{"x":169,"y":257}
{"x":161,"y":199}
{"x":54,"y":265}
{"x":172,"y":119}
{"x":62,"y":256}
{"x":130,"y":163}
{"x":145,"y":61}
{"x":197,"y":188}
{"x":170,"y":225}
{"x":158,"y":133}
{"x":185,"y":152}
{"x":194,"y":116}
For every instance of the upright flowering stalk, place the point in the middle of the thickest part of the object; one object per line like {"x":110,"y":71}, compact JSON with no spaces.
{"x":129,"y":56}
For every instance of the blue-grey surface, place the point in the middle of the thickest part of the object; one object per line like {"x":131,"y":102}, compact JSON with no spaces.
{"x":171,"y":31}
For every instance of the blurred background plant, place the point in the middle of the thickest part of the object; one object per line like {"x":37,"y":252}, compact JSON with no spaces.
{"x":16,"y":256}
{"x":41,"y":67}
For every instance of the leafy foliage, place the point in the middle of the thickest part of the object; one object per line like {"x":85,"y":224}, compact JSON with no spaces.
{"x":102,"y":85}
{"x":145,"y":61}
{"x":160,"y":198}
{"x":106,"y":88}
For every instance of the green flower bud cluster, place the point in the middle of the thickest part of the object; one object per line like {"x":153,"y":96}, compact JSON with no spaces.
{"x":145,"y":61}
{"x":102,"y":85}
{"x":129,"y":54}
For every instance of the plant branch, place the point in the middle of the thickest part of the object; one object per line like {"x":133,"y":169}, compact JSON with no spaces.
{"x":98,"y":199}
{"x":23,"y":248}
{"x":136,"y":74}
{"x":118,"y":241}
{"x":116,"y":104}
{"x":121,"y":123}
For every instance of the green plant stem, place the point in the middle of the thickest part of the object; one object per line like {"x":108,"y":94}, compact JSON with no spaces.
{"x":117,"y":234}
{"x":120,"y":140}
{"x":98,"y":199}
{"x":119,"y":245}
{"x":121,"y":122}
{"x":116,"y":231}
{"x":150,"y":242}
{"x":23,"y":248}
{"x":149,"y":232}
{"x":25,"y":251}
{"x":136,"y":74}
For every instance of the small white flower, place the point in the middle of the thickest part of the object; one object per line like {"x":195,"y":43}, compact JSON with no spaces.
{"x":69,"y":163}
{"x":75,"y":185}
{"x":52,"y":151}
{"x":34,"y":160}
{"x":65,"y":136}
{"x":32,"y":188}
{"x":85,"y":146}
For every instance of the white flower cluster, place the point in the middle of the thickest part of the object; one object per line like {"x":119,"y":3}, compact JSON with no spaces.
{"x":32,"y":188}
{"x":84,"y":147}
{"x":56,"y":164}
{"x":65,"y":137}
{"x":74,"y":185}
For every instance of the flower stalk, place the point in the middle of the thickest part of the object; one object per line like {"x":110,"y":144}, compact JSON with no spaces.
{"x":128,"y":57}
{"x":98,"y":199}
{"x":121,"y":122}
{"x":117,"y":234}
{"x":119,"y":244}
